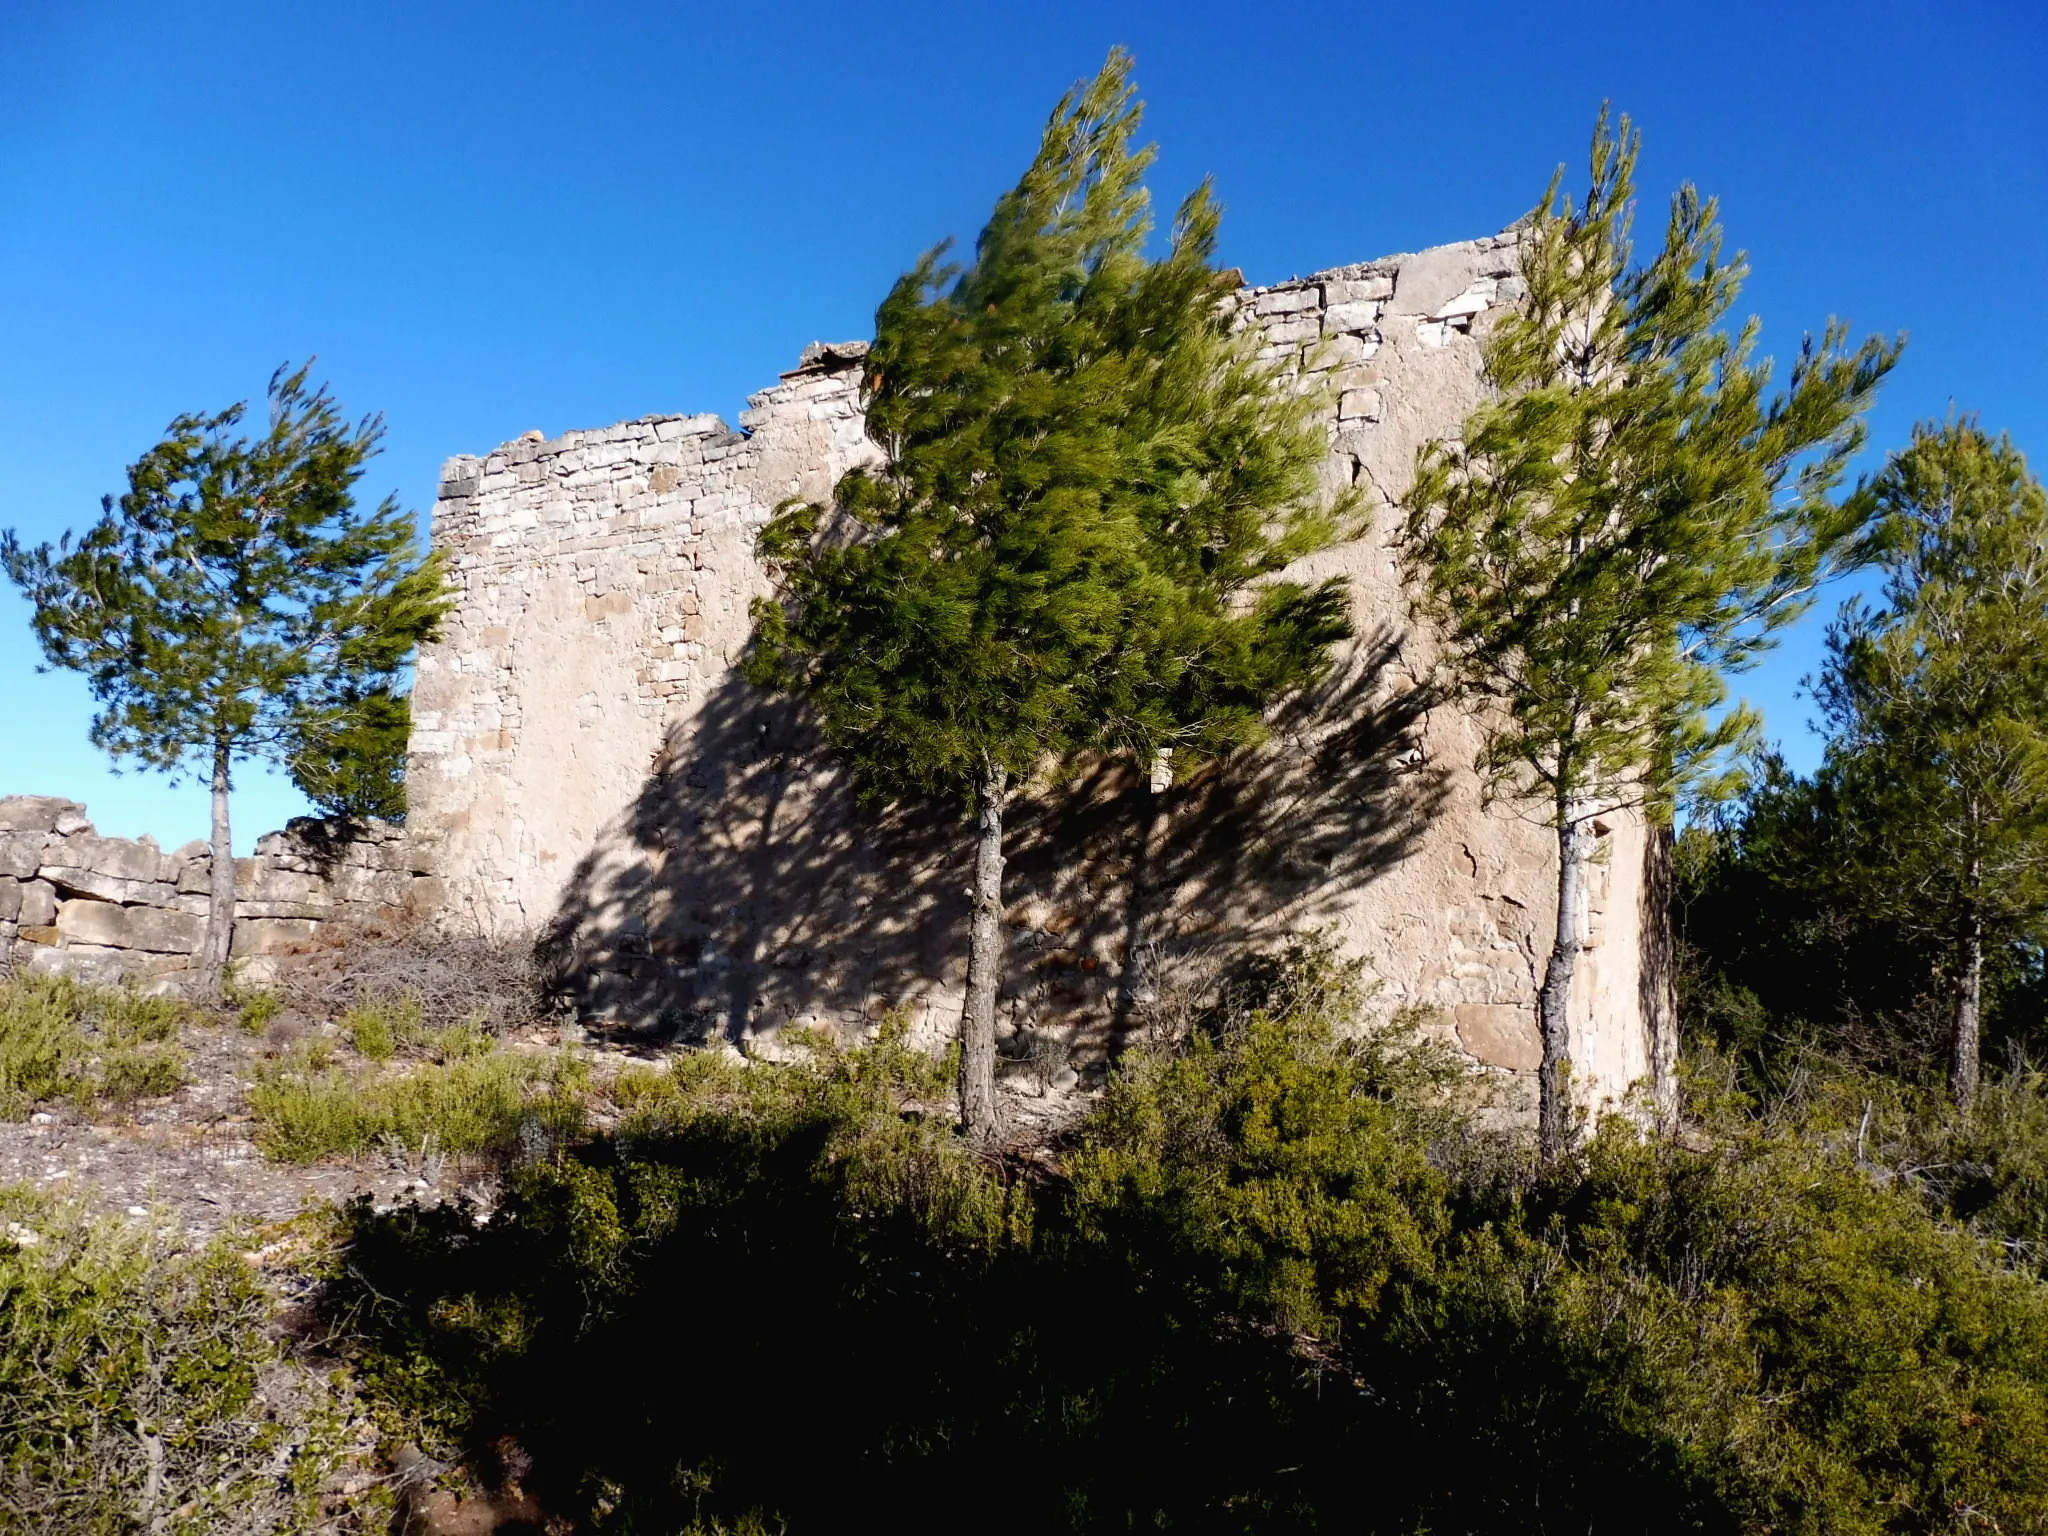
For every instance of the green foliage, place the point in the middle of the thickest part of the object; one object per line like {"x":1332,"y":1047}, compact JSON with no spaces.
{"x":1274,"y":1286}
{"x":1637,"y":512}
{"x":307,"y":1106}
{"x":253,"y":1007}
{"x":235,"y":594}
{"x":1274,"y":1157}
{"x":61,"y":1040}
{"x":351,"y":762}
{"x":376,"y":1029}
{"x":1632,"y":516}
{"x":1086,"y":467}
{"x":1938,"y":699}
{"x":141,"y":1388}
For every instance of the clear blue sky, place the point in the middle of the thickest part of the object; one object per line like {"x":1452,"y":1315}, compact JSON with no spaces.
{"x":486,"y":218}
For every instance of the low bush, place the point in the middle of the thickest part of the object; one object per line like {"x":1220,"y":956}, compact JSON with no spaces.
{"x":140,"y":1389}
{"x":1272,"y":1287}
{"x":307,"y":1106}
{"x":84,"y":1045}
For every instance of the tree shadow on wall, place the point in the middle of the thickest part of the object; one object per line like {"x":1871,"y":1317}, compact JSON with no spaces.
{"x":746,"y":887}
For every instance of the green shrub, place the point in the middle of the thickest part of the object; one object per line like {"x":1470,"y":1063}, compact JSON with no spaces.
{"x":1277,"y":1154}
{"x":377,"y":1028}
{"x":1272,"y":1287}
{"x":63,"y":1040}
{"x":253,"y":1007}
{"x":141,"y":1390}
{"x":307,"y":1107}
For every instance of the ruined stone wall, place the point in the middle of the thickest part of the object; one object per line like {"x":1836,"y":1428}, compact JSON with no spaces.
{"x":112,"y":908}
{"x":587,"y":766}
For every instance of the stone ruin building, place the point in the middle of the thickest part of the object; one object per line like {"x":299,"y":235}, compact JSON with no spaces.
{"x":588,"y":769}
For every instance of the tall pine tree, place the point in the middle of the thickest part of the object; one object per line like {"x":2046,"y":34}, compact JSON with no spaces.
{"x":235,"y":604}
{"x":1631,"y":517}
{"x":1939,"y":700}
{"x":1090,"y":484}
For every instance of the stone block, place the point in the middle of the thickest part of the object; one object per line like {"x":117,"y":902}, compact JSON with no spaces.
{"x":36,"y":813}
{"x":10,"y":899}
{"x":1359,"y":405}
{"x":117,"y":927}
{"x":39,"y":933}
{"x":1288,"y":301}
{"x":274,"y":936}
{"x":115,"y":856}
{"x":21,"y":853}
{"x":1292,"y":330}
{"x":195,"y":876}
{"x":1361,"y":316}
{"x":1500,"y":1034}
{"x":1355,"y":290}
{"x":38,"y":904}
{"x":1344,"y":351}
{"x":72,"y":881}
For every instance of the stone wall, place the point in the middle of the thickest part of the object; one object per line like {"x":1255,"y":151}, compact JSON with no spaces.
{"x":587,"y":766}
{"x":108,"y":908}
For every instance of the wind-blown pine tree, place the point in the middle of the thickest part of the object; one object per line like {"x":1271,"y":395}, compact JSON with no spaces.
{"x":1090,"y":484}
{"x":1628,"y":520}
{"x":235,"y":604}
{"x":1939,"y":700}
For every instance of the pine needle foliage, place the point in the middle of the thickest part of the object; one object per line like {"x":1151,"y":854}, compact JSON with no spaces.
{"x":1632,"y":516}
{"x":235,"y":604}
{"x":1090,"y":486}
{"x":1938,"y":696}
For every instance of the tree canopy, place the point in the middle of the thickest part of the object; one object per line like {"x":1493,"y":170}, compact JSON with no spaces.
{"x":1630,"y":518}
{"x":1090,"y":484}
{"x":1938,"y":696}
{"x":235,"y":603}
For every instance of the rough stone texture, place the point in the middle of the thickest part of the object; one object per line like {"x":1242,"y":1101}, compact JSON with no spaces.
{"x":587,"y":766}
{"x":109,"y":926}
{"x":107,"y":908}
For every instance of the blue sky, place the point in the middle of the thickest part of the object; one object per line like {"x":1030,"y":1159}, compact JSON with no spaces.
{"x":490,"y":218}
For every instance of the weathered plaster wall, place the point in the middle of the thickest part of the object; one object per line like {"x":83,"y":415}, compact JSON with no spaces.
{"x":586,"y":764}
{"x":113,"y":908}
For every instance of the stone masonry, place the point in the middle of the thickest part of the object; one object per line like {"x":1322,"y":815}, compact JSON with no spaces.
{"x":108,"y":908}
{"x":588,"y":768}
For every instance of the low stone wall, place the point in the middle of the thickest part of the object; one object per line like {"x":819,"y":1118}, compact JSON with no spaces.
{"x":108,"y":908}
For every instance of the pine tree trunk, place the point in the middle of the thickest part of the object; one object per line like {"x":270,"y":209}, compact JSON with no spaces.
{"x":1554,"y":1115}
{"x":220,"y":913}
{"x":984,"y":963}
{"x":1965,"y":1057}
{"x":1658,"y":983}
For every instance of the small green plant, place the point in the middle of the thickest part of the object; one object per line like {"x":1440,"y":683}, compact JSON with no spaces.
{"x":307,"y":1107}
{"x":61,"y":1040}
{"x":378,"y":1027}
{"x":252,"y":1007}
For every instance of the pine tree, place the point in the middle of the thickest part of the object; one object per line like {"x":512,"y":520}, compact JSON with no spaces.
{"x":1090,"y":484}
{"x":234,"y":604}
{"x":350,"y":761}
{"x":1939,"y":700}
{"x":1631,"y":517}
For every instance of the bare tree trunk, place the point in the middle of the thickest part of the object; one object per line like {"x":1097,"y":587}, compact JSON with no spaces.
{"x":1554,"y":1112}
{"x":220,"y":913}
{"x":984,"y":963}
{"x":1965,"y":1057}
